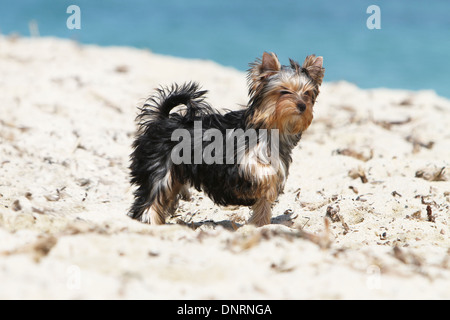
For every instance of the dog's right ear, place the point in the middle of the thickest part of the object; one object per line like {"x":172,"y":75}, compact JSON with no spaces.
{"x":269,"y":63}
{"x":264,"y":67}
{"x":261,"y":69}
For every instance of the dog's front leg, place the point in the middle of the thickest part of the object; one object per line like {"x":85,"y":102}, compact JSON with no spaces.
{"x":262,"y":212}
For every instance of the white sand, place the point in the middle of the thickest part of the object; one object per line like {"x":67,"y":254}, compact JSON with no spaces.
{"x":66,"y":125}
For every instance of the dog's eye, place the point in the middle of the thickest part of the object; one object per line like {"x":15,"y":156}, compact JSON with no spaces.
{"x":283,"y":92}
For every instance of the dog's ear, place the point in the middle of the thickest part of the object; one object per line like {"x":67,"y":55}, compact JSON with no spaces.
{"x":264,"y":67}
{"x":314,"y":67}
{"x":269,"y":63}
{"x":261,"y":69}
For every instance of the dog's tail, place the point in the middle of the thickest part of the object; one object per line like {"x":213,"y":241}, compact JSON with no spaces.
{"x":158,"y":106}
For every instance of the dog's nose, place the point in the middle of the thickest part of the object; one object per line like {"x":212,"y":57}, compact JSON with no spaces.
{"x":301,"y":107}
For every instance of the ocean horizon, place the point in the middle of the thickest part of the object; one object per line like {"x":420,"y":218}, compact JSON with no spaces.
{"x":406,"y":45}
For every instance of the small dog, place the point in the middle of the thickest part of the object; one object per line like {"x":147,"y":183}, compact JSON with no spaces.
{"x":281,"y":99}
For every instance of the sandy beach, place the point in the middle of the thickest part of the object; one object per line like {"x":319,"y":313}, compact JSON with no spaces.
{"x":365,"y":213}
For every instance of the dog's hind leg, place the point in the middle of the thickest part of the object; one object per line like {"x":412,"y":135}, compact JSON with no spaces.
{"x":165,"y":201}
{"x":178,"y":191}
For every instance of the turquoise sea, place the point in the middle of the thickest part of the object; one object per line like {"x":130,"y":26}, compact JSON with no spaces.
{"x":410,"y":51}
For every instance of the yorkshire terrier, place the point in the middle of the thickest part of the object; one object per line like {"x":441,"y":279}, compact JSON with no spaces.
{"x":281,"y":99}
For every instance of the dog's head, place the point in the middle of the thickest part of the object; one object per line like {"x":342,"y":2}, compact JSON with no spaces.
{"x":283,"y":97}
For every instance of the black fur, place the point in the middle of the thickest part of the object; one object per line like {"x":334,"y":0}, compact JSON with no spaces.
{"x":151,"y":158}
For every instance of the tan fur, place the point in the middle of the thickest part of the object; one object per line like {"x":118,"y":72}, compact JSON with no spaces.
{"x":314,"y":67}
{"x":279,"y":110}
{"x":262,"y":211}
{"x":166,"y":202}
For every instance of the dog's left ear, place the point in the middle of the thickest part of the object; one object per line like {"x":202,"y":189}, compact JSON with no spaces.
{"x":314,"y":67}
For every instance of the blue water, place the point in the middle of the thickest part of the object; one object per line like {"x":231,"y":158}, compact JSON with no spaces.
{"x":410,"y":51}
